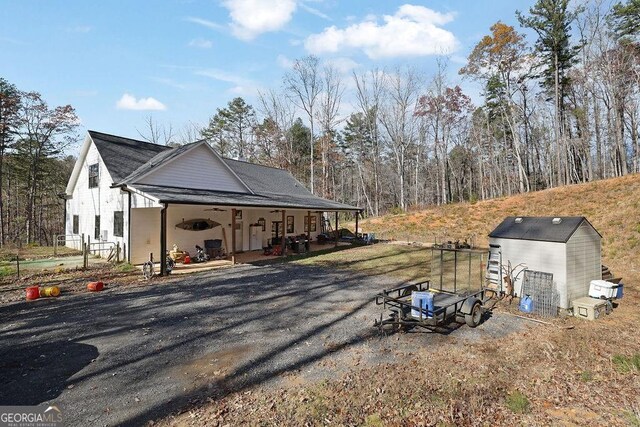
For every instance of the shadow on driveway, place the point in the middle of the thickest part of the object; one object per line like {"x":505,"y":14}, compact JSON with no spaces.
{"x":31,"y":374}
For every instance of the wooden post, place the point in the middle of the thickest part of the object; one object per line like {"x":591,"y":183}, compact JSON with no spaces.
{"x":284,"y":232}
{"x":84,"y":255}
{"x":357,"y":214}
{"x":118,"y":253}
{"x":18,"y":265}
{"x":233,"y":236}
{"x":309,"y":229}
{"x":82,"y":244}
{"x":163,"y":240}
{"x":336,"y":230}
{"x":55,"y":245}
{"x":88,"y":246}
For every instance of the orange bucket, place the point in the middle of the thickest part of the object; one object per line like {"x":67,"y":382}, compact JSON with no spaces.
{"x":95,"y":286}
{"x":51,"y":291}
{"x":33,"y":292}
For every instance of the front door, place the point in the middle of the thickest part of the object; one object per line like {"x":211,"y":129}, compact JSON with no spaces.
{"x":276,"y":231}
{"x":238,"y":236}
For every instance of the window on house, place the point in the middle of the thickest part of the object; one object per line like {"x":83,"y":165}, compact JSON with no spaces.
{"x":96,"y":231}
{"x":93,"y":175}
{"x":118,"y":223}
{"x":76,"y":224}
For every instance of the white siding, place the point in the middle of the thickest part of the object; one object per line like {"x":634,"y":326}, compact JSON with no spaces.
{"x":549,"y":257}
{"x":583,"y":261}
{"x":88,"y":202}
{"x":197,"y":168}
{"x":145,"y":236}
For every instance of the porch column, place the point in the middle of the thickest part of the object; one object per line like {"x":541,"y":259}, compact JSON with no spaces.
{"x":336,"y":230}
{"x":309,"y":227}
{"x":357,"y":214}
{"x":163,"y":240}
{"x":284,"y":231}
{"x":233,"y":236}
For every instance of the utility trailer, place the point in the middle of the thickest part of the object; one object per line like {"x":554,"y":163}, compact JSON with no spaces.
{"x":465,"y":307}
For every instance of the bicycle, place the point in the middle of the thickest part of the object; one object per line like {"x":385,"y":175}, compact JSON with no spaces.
{"x":148,"y":268}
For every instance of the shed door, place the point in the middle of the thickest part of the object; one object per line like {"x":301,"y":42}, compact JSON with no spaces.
{"x":494,"y":268}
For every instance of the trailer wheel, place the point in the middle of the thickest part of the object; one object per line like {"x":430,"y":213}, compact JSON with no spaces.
{"x":475,"y":317}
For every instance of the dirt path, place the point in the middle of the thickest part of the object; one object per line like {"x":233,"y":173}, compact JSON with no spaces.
{"x":126,"y":356}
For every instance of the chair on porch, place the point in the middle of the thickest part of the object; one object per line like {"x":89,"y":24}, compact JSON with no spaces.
{"x":213,"y":248}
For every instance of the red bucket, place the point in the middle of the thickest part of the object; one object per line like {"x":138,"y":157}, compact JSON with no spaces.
{"x":95,"y":286}
{"x":33,"y":292}
{"x":187,"y":259}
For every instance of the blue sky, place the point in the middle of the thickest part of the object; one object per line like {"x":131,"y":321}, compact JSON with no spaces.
{"x":117,"y":62}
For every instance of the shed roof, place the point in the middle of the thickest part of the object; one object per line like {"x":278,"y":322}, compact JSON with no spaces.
{"x":543,"y":229}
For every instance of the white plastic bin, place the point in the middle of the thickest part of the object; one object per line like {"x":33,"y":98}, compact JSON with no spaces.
{"x":602,"y":289}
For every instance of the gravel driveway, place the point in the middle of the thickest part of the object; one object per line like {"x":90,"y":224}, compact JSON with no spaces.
{"x":127,"y":356}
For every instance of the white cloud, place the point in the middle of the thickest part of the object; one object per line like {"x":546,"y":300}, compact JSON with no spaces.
{"x":129,"y":102}
{"x":342,"y":64}
{"x":411,"y":31}
{"x":315,"y":11}
{"x":240,"y":85}
{"x":284,"y":62}
{"x":201,"y":43}
{"x":205,"y":23}
{"x":250,"y":18}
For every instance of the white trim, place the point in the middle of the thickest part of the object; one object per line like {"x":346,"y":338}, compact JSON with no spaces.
{"x":142,"y":193}
{"x":77,"y":168}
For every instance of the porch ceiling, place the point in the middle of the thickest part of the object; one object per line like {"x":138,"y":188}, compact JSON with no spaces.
{"x":207,"y":197}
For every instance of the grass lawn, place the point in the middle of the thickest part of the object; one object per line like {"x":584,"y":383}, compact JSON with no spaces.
{"x":35,"y":252}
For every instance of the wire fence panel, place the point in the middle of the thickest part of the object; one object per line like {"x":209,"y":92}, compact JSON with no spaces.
{"x":540,"y":287}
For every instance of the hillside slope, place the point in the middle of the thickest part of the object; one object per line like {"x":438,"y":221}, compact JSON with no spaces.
{"x":612,"y":206}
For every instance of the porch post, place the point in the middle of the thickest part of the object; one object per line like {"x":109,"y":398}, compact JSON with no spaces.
{"x":309,"y":227}
{"x":163,"y":240}
{"x":336,"y":230}
{"x":357,"y":214}
{"x":284,"y":231}
{"x":233,"y":236}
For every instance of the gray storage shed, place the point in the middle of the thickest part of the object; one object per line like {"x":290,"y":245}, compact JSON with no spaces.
{"x":568,"y":247}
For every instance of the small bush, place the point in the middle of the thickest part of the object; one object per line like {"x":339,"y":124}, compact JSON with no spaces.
{"x":7,"y":270}
{"x":125,"y":268}
{"x":518,"y":403}
{"x":397,"y":210}
{"x":626,"y":364}
{"x":373,"y":420}
{"x":586,"y":376}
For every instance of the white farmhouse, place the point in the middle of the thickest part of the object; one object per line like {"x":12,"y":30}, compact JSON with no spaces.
{"x":134,"y":193}
{"x":567,"y":247}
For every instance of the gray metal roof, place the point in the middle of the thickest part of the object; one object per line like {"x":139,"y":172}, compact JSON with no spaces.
{"x":128,"y":159}
{"x":267,"y":180}
{"x":121,"y":155}
{"x":192,"y":196}
{"x":543,"y":229}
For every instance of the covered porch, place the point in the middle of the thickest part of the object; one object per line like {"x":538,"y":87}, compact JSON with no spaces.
{"x":246,"y":258}
{"x":240,"y":227}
